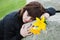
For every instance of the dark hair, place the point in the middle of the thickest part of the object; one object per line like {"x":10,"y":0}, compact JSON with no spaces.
{"x":35,"y":9}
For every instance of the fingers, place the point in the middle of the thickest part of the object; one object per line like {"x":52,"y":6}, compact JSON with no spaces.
{"x":29,"y":28}
{"x":23,"y":26}
{"x":25,"y":30}
{"x":29,"y":34}
{"x":46,"y":15}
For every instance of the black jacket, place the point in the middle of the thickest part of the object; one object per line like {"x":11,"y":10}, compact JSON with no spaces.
{"x":10,"y":26}
{"x":1,"y":30}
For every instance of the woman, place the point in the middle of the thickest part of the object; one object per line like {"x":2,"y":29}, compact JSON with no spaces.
{"x":13,"y":22}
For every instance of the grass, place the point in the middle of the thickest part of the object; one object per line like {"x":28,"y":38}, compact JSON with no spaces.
{"x":6,"y":6}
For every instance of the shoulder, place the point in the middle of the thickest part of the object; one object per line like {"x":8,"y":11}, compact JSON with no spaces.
{"x":10,"y":18}
{"x":11,"y":15}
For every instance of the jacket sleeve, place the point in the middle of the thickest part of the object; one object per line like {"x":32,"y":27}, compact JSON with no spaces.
{"x":10,"y":30}
{"x":1,"y":30}
{"x":51,"y":11}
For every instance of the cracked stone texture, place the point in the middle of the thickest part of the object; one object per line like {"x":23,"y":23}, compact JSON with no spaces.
{"x":52,"y":32}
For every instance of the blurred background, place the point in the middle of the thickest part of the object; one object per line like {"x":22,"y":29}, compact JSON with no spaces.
{"x":7,"y":6}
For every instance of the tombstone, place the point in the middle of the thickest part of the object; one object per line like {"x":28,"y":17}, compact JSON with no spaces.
{"x":52,"y":32}
{"x":53,"y":23}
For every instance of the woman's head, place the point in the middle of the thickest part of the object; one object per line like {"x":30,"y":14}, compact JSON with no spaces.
{"x":31,"y":11}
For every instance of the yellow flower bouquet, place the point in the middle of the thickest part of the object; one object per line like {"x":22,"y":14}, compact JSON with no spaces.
{"x":38,"y":25}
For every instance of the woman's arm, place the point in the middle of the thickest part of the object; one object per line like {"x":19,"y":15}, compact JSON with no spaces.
{"x":11,"y":32}
{"x":51,"y":11}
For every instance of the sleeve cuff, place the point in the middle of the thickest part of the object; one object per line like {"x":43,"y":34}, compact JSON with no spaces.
{"x":51,"y":11}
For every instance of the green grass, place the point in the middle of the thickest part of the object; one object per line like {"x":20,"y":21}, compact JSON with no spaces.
{"x":7,"y":6}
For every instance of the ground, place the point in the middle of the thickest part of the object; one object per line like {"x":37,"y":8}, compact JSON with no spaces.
{"x":7,"y":6}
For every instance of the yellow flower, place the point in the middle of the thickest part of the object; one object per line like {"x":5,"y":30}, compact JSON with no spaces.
{"x":38,"y":25}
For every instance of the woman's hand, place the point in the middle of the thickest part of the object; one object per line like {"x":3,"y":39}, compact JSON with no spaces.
{"x":25,"y":30}
{"x":46,"y":15}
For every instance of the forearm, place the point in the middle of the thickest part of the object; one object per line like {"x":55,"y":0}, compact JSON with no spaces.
{"x":51,"y":11}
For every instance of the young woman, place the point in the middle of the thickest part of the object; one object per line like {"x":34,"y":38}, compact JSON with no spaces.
{"x":12,"y":24}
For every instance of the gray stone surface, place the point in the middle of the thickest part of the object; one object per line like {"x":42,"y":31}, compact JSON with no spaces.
{"x":52,"y":32}
{"x":48,"y":3}
{"x":56,"y":17}
{"x":51,"y":3}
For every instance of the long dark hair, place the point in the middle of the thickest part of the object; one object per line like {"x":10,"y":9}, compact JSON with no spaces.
{"x":34,"y":9}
